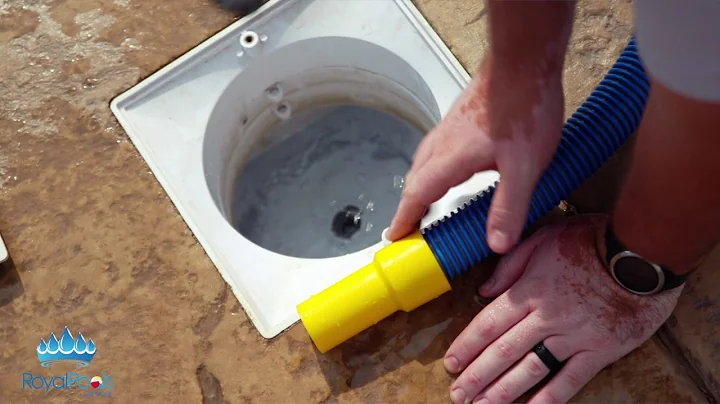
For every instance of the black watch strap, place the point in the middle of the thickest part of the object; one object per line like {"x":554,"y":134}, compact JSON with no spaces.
{"x":614,"y":247}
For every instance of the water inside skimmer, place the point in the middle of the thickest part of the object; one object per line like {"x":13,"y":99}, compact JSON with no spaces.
{"x":329,"y":185}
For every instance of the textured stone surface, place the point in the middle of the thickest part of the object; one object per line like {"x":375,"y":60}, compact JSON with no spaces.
{"x":97,"y":245}
{"x":693,"y":331}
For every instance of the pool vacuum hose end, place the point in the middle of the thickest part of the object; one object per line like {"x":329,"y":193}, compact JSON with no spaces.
{"x":403,"y":276}
{"x":414,"y":270}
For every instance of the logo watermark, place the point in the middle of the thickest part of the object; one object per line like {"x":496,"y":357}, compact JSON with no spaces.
{"x":71,"y":351}
{"x":67,"y":381}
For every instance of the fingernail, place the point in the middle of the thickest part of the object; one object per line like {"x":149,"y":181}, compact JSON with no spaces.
{"x":457,"y":395}
{"x":487,"y":286}
{"x":499,"y":239}
{"x":481,"y":400}
{"x":451,"y":364}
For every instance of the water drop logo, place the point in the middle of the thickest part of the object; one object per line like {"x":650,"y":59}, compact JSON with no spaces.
{"x":67,"y":350}
{"x":96,"y":382}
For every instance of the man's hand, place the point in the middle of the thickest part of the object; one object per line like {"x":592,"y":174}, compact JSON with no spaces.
{"x":552,"y":289}
{"x":512,"y":124}
{"x":508,"y":119}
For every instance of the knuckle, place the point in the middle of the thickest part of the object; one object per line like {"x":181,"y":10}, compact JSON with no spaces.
{"x":464,"y":350}
{"x":474,"y":381}
{"x":487,"y":326}
{"x":502,"y":214}
{"x":534,"y":290}
{"x":535,"y":367}
{"x":574,"y":379}
{"x":412,"y":191}
{"x":504,"y":349}
{"x":547,"y":397}
{"x":503,"y":394}
{"x":544,"y":327}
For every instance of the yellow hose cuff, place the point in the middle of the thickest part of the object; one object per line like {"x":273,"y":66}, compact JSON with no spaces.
{"x":403,"y":276}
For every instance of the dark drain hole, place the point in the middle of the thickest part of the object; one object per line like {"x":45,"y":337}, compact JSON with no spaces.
{"x":346,"y":222}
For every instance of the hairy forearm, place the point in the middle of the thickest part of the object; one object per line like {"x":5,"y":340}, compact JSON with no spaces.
{"x":522,"y":72}
{"x":669,"y":208}
{"x":529,"y":38}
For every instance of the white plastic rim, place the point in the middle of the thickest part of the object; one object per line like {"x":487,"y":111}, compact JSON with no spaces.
{"x":3,"y":251}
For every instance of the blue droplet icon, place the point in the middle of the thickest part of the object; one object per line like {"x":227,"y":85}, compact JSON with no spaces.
{"x":90,"y":346}
{"x":42,"y":348}
{"x":80,"y":345}
{"x":67,"y":342}
{"x":53,"y":345}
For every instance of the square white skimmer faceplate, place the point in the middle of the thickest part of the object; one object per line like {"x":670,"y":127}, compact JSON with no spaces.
{"x":191,"y":122}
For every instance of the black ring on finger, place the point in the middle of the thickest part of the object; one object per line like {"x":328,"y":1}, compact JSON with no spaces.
{"x":547,"y":358}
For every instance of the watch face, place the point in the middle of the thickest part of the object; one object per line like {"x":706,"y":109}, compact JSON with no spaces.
{"x":636,"y":274}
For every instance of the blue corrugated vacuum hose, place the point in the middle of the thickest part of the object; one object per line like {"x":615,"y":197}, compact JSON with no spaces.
{"x":590,"y":136}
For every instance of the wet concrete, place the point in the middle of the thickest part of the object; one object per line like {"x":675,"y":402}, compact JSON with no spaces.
{"x":97,"y":245}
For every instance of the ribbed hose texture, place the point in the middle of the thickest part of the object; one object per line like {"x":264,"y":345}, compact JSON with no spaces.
{"x":590,"y":136}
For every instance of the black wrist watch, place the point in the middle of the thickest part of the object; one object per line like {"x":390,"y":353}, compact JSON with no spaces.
{"x":635,"y":273}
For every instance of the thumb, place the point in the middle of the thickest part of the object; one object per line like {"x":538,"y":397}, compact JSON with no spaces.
{"x":509,"y":207}
{"x":428,"y":183}
{"x":511,"y":266}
